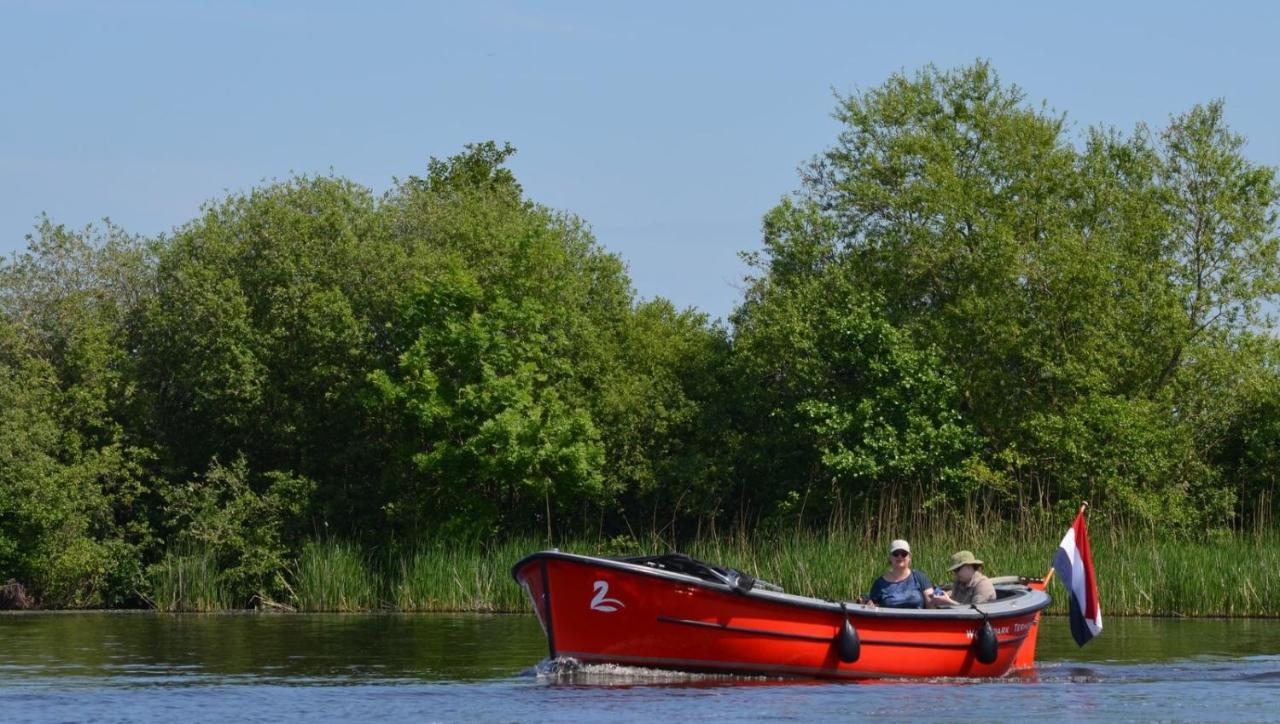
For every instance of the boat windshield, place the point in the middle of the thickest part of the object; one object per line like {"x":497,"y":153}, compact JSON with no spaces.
{"x":690,"y":566}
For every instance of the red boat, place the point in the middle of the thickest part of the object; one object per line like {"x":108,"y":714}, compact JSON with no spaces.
{"x":675,"y":612}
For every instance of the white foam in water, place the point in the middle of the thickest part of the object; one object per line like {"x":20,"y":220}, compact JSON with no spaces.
{"x":566,"y":670}
{"x":572,"y":671}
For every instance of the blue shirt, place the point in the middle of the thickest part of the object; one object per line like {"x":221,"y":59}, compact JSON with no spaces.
{"x":907,"y":593}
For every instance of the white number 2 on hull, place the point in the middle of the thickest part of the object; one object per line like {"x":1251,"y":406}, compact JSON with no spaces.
{"x":600,"y":603}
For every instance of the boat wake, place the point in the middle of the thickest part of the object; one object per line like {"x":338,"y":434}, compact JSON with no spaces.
{"x":565,"y":670}
{"x":572,"y":672}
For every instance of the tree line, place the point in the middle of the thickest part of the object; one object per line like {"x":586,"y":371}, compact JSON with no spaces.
{"x":967,"y":305}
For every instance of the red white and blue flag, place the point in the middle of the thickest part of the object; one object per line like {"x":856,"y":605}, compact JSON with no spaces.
{"x":1074,"y":567}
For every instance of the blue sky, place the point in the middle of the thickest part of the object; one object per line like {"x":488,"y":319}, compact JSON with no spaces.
{"x":670,"y":127}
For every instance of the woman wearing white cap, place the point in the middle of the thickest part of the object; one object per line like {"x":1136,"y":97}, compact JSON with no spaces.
{"x":901,"y":587}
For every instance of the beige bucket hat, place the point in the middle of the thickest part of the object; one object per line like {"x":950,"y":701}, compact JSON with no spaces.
{"x":963,"y":558}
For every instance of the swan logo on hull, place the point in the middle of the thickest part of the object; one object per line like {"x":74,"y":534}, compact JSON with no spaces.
{"x":600,"y":603}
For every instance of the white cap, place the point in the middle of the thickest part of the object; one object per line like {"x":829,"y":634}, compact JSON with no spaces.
{"x":899,"y":545}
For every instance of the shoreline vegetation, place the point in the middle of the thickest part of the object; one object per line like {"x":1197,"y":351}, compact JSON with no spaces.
{"x":1231,"y":576}
{"x":970,"y":316}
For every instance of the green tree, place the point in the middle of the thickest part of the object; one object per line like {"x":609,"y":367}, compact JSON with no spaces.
{"x":527,"y":382}
{"x":846,"y":407}
{"x":485,"y":390}
{"x":1076,"y":294}
{"x":1222,"y":238}
{"x":74,"y":480}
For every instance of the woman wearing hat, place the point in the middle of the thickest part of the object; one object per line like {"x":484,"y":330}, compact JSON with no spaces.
{"x":970,"y":585}
{"x":901,"y":587}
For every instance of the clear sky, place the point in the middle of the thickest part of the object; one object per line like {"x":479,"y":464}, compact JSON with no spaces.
{"x":670,"y":127}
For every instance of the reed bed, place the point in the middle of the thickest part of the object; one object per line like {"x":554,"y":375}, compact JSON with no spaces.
{"x":1137,"y":575}
{"x":442,"y":577}
{"x":335,"y":575}
{"x":1233,"y":575}
{"x":189,"y":580}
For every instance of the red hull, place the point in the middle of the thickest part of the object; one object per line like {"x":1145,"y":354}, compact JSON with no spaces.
{"x":611,"y":611}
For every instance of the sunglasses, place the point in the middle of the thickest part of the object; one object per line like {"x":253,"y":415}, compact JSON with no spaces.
{"x":900,"y":554}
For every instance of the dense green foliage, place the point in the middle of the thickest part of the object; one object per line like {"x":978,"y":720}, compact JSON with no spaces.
{"x":449,"y":361}
{"x":965,"y":311}
{"x":1049,"y":322}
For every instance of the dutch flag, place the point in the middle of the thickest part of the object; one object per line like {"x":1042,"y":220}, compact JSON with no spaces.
{"x":1074,"y":566}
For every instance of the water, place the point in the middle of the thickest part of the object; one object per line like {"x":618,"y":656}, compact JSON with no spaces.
{"x":246,"y":667}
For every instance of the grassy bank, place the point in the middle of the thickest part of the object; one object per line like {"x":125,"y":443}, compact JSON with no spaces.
{"x":1233,"y":575}
{"x":1137,"y":575}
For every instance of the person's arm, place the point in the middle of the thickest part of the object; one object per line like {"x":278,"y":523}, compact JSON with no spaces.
{"x":985,"y":592}
{"x":876,"y":597}
{"x":926,"y":588}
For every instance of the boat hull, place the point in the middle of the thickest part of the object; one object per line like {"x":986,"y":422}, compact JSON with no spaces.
{"x":610,"y":611}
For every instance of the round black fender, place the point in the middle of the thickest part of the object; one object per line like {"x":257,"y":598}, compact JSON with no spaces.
{"x":848,"y":646}
{"x":985,"y":645}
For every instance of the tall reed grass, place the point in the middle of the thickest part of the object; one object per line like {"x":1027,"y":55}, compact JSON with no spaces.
{"x":441,"y":577}
{"x":189,"y":580}
{"x":335,"y":575}
{"x":1138,"y":573}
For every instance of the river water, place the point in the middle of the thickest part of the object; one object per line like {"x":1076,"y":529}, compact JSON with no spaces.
{"x":144,"y":667}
